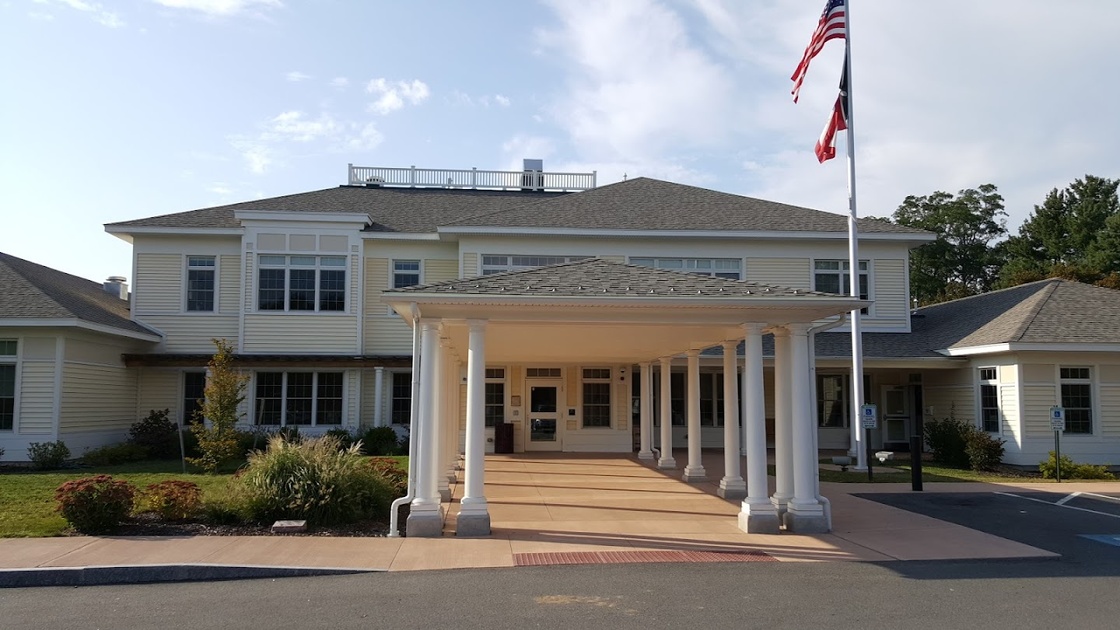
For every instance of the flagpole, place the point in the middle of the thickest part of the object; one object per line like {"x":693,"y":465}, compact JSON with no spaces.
{"x":853,"y":260}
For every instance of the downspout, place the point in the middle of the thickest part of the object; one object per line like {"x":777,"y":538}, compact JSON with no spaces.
{"x":414,"y":435}
{"x":823,"y":500}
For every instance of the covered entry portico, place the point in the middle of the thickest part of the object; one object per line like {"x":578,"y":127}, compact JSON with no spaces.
{"x":596,"y":312}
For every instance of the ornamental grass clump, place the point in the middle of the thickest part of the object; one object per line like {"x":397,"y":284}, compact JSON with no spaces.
{"x":172,"y":500}
{"x":95,"y":504}
{"x":314,"y":480}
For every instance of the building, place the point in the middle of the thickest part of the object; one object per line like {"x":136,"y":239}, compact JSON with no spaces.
{"x":587,"y":303}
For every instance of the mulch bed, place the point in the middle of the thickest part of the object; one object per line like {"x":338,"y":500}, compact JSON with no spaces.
{"x":152,"y":525}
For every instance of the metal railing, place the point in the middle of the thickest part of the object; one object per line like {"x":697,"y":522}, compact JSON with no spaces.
{"x":413,"y":177}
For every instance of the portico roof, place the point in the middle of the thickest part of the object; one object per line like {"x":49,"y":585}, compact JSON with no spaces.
{"x":598,"y":310}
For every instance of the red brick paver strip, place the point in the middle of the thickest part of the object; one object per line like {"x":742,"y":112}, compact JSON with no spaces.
{"x":624,"y":557}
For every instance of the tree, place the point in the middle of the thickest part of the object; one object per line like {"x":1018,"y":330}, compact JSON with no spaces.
{"x":216,"y":428}
{"x":963,"y":260}
{"x":1074,"y":233}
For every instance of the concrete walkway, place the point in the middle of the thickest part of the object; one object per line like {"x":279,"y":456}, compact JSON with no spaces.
{"x":560,"y":509}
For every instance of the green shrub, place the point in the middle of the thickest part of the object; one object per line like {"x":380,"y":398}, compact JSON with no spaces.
{"x":48,"y":455}
{"x":95,"y":504}
{"x":984,"y":451}
{"x":380,"y":441}
{"x":156,"y":433}
{"x":946,"y":439}
{"x":393,"y":472}
{"x":1071,"y":470}
{"x":345,"y":438}
{"x":218,"y":437}
{"x":312,"y":480}
{"x":173,"y":500}
{"x":114,"y":454}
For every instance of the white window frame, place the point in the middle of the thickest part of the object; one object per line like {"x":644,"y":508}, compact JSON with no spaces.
{"x":314,"y":399}
{"x":1093,"y":397}
{"x":518,"y":262}
{"x":319,"y":267}
{"x":393,"y":271}
{"x":609,"y":381}
{"x":13,"y":360}
{"x":982,"y":381}
{"x":844,"y":271}
{"x":492,"y":378}
{"x":701,"y":266}
{"x":187,"y":269}
{"x":393,"y":397}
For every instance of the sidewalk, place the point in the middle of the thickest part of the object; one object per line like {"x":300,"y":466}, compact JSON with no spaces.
{"x":583,"y":509}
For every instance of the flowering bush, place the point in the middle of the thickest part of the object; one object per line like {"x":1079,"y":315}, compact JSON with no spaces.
{"x":173,"y":500}
{"x":95,"y":504}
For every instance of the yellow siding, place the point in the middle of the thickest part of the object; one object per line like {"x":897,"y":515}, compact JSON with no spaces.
{"x":376,"y":281}
{"x":387,"y":336}
{"x":787,"y":272}
{"x":250,"y":277}
{"x":289,"y":332}
{"x":1110,"y":409}
{"x":97,"y":397}
{"x":353,"y":399}
{"x":470,"y":264}
{"x":890,"y":289}
{"x":160,"y":389}
{"x":440,"y":270}
{"x":193,"y":333}
{"x":36,"y":398}
{"x":158,"y":286}
{"x":368,"y":403}
{"x":229,"y":286}
{"x":1009,"y":410}
{"x":353,"y":264}
{"x":1037,"y":400}
{"x":958,"y":400}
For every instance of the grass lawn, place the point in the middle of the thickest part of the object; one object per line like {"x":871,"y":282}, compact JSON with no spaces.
{"x":27,"y":505}
{"x":899,"y":472}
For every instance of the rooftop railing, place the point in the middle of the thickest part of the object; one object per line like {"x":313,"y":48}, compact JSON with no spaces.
{"x":413,"y":177}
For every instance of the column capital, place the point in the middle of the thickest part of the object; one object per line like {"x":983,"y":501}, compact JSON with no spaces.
{"x":799,"y":329}
{"x":780,"y":331}
{"x":665,"y":361}
{"x":477,"y":324}
{"x":378,"y":369}
{"x":692,"y":352}
{"x":729,"y":344}
{"x":752,"y":328}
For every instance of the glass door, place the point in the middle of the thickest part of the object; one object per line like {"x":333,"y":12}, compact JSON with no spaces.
{"x":544,"y":417}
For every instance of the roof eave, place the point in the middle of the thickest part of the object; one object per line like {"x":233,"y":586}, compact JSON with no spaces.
{"x":915,"y":237}
{"x":73,"y":322}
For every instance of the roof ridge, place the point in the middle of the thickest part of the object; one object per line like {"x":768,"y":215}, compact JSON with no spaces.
{"x":982,"y":295}
{"x":1037,"y":302}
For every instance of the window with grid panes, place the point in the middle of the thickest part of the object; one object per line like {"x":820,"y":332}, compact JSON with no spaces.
{"x":406,"y":273}
{"x":495,"y":395}
{"x":301,"y":283}
{"x":596,"y":397}
{"x":1077,"y":398}
{"x":730,"y":268}
{"x":299,"y":398}
{"x":400,"y":409}
{"x":989,"y":400}
{"x":8,"y":348}
{"x":834,"y":276}
{"x":201,"y":272}
{"x":498,"y":263}
{"x":194,"y":388}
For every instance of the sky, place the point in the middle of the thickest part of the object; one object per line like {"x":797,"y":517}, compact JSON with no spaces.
{"x":124,"y":109}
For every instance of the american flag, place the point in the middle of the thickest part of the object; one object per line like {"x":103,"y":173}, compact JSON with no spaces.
{"x":831,"y":26}
{"x":838,"y":121}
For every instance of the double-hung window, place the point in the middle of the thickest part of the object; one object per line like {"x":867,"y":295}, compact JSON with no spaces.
{"x":1077,"y":398}
{"x":301,"y":283}
{"x":495,"y":396}
{"x":400,"y":411}
{"x":597,"y":398}
{"x":989,"y":399}
{"x":201,"y":273}
{"x":8,"y":349}
{"x":730,"y":268}
{"x":492,"y":263}
{"x":194,"y":389}
{"x":299,"y":398}
{"x":834,"y":276}
{"x":406,"y":273}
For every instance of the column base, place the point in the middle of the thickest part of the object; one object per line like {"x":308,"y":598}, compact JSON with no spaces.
{"x":645,"y":455}
{"x":666,"y":463}
{"x":760,"y":518}
{"x":445,"y":495}
{"x":780,"y":504}
{"x":806,"y":519}
{"x":425,"y":524}
{"x":733,"y":488}
{"x":472,"y":524}
{"x":694,"y":473}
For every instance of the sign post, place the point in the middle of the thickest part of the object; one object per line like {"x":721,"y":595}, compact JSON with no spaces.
{"x":869,"y":419}
{"x":1058,"y":424}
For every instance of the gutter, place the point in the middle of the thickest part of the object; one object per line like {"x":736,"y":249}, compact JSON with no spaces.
{"x":414,"y":434}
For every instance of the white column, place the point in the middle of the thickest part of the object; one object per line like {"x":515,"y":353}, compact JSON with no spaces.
{"x":454,"y":420}
{"x":732,"y":485}
{"x":666,"y":415}
{"x":645,"y":421}
{"x":378,"y":393}
{"x":805,"y":514}
{"x":439,"y":407}
{"x":425,"y":518}
{"x":474,"y":517}
{"x":694,"y":471}
{"x":758,"y":515}
{"x":783,"y":437}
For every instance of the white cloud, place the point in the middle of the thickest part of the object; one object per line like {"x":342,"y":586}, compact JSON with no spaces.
{"x":462,"y":99}
{"x":363,"y":138}
{"x":501,"y":100}
{"x":219,"y":188}
{"x":256,"y":154}
{"x":220,"y":7}
{"x":391,"y":97}
{"x":279,"y":135}
{"x":96,"y":10}
{"x":340,"y":82}
{"x":295,"y":76}
{"x":294,"y":126}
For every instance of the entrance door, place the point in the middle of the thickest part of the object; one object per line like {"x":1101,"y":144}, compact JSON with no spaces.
{"x":896,"y":416}
{"x":544,"y":417}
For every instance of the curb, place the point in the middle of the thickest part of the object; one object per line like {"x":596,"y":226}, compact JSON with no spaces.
{"x":153,"y":573}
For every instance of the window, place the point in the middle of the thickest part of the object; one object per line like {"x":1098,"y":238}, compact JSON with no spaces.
{"x":542,"y":372}
{"x":194,"y":388}
{"x":1077,"y":399}
{"x":834,"y":276}
{"x":495,"y":404}
{"x":406,"y":273}
{"x":8,"y":349}
{"x":597,"y":398}
{"x":730,"y":268}
{"x":299,"y":398}
{"x":497,"y":264}
{"x":833,"y":395}
{"x":989,"y":400}
{"x":400,"y":411}
{"x":301,"y":283}
{"x":711,"y":399}
{"x":200,"y":283}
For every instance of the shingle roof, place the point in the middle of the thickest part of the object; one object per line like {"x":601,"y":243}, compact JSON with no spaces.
{"x":636,"y":204}
{"x":598,"y":277}
{"x":32,"y":291}
{"x":650,"y":204}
